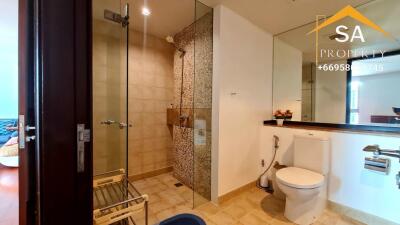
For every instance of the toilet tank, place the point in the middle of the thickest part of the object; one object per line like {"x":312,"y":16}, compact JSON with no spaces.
{"x":312,"y":152}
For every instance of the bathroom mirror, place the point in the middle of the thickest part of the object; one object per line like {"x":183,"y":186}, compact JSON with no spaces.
{"x":342,"y":69}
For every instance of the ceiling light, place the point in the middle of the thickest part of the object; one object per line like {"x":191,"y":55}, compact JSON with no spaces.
{"x":146,"y":11}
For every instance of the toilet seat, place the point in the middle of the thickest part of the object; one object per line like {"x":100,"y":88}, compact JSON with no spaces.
{"x":299,"y":178}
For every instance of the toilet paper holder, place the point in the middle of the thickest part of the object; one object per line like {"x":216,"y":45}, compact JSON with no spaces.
{"x":378,"y":164}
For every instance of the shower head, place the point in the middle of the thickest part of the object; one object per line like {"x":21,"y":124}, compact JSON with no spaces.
{"x":170,"y":40}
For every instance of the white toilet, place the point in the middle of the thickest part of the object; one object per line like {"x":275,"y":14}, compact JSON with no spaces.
{"x":304,"y":184}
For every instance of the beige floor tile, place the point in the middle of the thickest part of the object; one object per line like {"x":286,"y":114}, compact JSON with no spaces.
{"x":262,"y":214}
{"x":253,"y":219}
{"x":162,"y":215}
{"x":236,"y":210}
{"x":208,"y":209}
{"x":222,"y":218}
{"x":280,"y":220}
{"x":171,"y":196}
{"x":159,"y":206}
{"x":252,"y":207}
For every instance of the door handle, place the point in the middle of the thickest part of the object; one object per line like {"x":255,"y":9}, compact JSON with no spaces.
{"x":123,"y":125}
{"x":108,"y":122}
{"x":83,"y":136}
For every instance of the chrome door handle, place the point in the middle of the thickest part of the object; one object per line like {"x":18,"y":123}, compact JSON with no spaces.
{"x":107,"y":122}
{"x":123,"y":125}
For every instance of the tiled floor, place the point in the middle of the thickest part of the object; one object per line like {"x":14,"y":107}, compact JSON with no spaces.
{"x":8,"y":196}
{"x":252,"y":207}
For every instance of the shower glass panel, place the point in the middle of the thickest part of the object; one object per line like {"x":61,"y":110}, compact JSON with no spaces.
{"x":161,"y":71}
{"x":109,"y":87}
{"x":202,"y":103}
{"x":157,"y":78}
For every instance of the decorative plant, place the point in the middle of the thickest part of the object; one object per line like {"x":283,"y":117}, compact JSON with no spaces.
{"x":279,"y":114}
{"x":288,"y":114}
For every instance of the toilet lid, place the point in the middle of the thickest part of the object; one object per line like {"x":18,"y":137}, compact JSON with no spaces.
{"x":299,"y":178}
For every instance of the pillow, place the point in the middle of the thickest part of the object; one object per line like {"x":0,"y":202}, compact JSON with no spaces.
{"x":14,"y":134}
{"x":4,"y":138}
{"x":11,"y":150}
{"x":12,"y":141}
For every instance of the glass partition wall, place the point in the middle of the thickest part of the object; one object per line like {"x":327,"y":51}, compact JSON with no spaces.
{"x":109,"y":88}
{"x":152,"y":81}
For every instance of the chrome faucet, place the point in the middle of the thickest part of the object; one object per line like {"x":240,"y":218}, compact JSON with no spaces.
{"x":276,"y":141}
{"x":391,"y":153}
{"x":378,"y":151}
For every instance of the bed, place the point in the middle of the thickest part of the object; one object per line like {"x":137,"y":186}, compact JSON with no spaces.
{"x":8,"y":143}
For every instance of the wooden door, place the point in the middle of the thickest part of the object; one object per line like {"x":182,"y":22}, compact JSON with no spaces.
{"x":55,"y":96}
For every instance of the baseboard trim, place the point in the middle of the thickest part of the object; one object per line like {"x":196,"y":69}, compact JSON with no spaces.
{"x":150,"y":173}
{"x":358,"y":215}
{"x":236,"y":192}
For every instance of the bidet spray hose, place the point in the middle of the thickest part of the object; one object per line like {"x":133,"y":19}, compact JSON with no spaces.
{"x":276,"y":147}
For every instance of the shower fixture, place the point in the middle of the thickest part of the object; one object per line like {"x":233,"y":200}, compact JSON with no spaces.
{"x":170,"y":40}
{"x":182,"y":118}
{"x":115,"y":17}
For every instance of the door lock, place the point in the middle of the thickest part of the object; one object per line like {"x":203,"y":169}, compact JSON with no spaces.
{"x":30,"y":138}
{"x":83,"y":136}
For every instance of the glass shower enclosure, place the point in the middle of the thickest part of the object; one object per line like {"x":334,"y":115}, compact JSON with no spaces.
{"x":152,"y":91}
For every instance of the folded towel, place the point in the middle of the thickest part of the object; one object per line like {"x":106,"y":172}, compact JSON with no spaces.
{"x":11,"y":150}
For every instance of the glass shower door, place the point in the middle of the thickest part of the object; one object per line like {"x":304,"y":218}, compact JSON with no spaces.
{"x":109,"y":86}
{"x":202,"y":103}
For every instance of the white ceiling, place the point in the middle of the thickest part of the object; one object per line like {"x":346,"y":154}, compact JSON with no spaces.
{"x":168,"y":17}
{"x":276,"y":16}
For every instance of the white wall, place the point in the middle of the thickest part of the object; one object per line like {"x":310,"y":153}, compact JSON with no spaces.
{"x":378,"y":94}
{"x":349,"y":183}
{"x":330,"y":96}
{"x":242,"y":65}
{"x":287,"y":83}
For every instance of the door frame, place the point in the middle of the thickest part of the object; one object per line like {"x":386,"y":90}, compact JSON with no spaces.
{"x":27,"y":154}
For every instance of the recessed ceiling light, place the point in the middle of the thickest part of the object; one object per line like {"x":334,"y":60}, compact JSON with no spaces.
{"x":146,"y":11}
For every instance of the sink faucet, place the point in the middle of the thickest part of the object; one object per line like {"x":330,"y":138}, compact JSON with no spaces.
{"x":391,"y":153}
{"x":378,"y":151}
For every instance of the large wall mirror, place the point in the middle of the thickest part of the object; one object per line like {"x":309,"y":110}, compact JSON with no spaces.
{"x":342,"y":69}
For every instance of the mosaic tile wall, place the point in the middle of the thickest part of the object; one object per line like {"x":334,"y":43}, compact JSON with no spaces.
{"x":192,"y":144}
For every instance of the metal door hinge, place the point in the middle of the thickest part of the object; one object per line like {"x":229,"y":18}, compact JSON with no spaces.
{"x":21,"y":131}
{"x":83,"y":135}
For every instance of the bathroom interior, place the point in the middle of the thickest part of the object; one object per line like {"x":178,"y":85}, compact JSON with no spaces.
{"x":152,"y":80}
{"x":183,"y":99}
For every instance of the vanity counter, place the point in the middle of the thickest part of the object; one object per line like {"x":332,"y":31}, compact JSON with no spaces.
{"x":344,"y":128}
